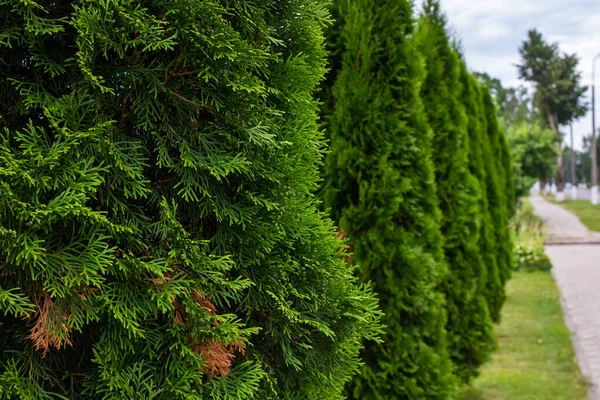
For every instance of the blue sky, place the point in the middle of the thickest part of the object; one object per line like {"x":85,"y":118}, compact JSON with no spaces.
{"x":492,"y":31}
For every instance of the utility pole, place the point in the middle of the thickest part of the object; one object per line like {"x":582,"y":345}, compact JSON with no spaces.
{"x":573,"y":174}
{"x":595,"y":199}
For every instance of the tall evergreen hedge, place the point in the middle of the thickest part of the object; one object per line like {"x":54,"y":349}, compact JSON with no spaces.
{"x":487,"y":271}
{"x":507,"y":164}
{"x":470,"y":329}
{"x":379,"y":185}
{"x":479,"y":161}
{"x":500,"y":191}
{"x":158,"y":233}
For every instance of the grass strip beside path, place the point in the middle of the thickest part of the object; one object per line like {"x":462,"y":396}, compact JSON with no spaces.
{"x":535,"y":358}
{"x":587,"y":213}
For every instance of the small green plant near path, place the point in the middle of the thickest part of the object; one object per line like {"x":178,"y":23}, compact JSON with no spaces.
{"x":527,"y":227}
{"x":585,"y":211}
{"x":529,"y":234}
{"x":535,"y":357}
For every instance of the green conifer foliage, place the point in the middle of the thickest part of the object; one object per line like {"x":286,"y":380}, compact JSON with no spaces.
{"x":500,"y":193}
{"x":480,"y":152}
{"x":495,"y":293}
{"x":486,"y":268}
{"x":379,"y":185}
{"x":507,"y":165}
{"x":158,"y":233}
{"x":444,"y":93}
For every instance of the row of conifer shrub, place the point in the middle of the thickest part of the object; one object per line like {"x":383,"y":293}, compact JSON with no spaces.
{"x":418,"y":178}
{"x":165,"y":207}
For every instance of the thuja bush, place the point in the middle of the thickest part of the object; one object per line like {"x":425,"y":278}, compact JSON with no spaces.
{"x":479,"y":157}
{"x":379,"y":185}
{"x":470,"y":329}
{"x":158,"y":233}
{"x":488,"y":272}
{"x":509,"y":172}
{"x":500,"y":192}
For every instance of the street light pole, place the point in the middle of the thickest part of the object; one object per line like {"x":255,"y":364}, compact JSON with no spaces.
{"x":595,"y":199}
{"x":573,"y":174}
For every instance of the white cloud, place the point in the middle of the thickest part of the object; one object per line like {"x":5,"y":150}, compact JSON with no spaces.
{"x":490,"y":29}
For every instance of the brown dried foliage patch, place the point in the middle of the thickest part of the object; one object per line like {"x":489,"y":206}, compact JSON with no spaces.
{"x":85,"y":292}
{"x":179,"y":312}
{"x":50,"y":328}
{"x":201,"y":299}
{"x":218,"y":356}
{"x":160,"y":281}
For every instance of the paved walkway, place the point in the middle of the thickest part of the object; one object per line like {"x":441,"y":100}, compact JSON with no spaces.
{"x":577,"y":274}
{"x":562,"y":226}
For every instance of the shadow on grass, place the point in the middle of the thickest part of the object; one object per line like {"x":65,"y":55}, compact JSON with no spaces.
{"x":472,"y":394}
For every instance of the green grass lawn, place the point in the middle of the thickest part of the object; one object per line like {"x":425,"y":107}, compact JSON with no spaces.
{"x":535,"y":359}
{"x":587,"y":213}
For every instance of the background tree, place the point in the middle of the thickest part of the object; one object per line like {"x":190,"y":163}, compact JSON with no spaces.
{"x":514,"y":105}
{"x":533,"y":150}
{"x":584,"y":169}
{"x":527,"y":134}
{"x":558,"y":89}
{"x":469,"y":326}
{"x":158,"y":233}
{"x":583,"y":165}
{"x":379,"y":185}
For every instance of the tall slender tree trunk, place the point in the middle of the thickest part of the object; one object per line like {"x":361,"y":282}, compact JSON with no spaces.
{"x":573,"y":172}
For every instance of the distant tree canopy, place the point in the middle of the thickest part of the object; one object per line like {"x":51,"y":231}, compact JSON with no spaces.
{"x":514,"y":105}
{"x":583,"y":165}
{"x":559,"y":93}
{"x":533,"y":150}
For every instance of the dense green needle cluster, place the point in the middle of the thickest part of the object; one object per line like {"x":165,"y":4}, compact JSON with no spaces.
{"x":159,"y":238}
